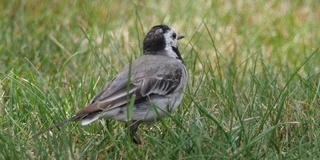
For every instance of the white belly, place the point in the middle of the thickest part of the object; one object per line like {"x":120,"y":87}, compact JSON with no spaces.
{"x":146,"y":111}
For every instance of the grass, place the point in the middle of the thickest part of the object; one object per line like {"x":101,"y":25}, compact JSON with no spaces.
{"x":253,"y":90}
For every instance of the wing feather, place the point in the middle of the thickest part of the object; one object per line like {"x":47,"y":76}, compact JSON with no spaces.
{"x":116,"y":93}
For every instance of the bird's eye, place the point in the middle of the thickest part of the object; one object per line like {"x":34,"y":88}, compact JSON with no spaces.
{"x":174,"y":35}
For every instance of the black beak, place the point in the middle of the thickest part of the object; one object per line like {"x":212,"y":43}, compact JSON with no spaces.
{"x":180,"y":36}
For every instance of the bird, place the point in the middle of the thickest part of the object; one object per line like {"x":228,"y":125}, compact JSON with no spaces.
{"x":148,"y":88}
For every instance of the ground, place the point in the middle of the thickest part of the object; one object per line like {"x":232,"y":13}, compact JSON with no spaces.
{"x":253,"y":90}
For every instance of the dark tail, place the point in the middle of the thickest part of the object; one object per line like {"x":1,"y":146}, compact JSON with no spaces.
{"x":75,"y":118}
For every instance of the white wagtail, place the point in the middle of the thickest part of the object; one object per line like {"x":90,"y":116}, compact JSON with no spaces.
{"x":155,"y":81}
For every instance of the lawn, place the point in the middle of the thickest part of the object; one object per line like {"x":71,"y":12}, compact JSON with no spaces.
{"x":253,"y":90}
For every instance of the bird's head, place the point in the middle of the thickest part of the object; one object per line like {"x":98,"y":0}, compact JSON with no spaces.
{"x":161,"y":38}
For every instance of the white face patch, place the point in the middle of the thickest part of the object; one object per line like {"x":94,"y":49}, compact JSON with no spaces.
{"x":171,"y":39}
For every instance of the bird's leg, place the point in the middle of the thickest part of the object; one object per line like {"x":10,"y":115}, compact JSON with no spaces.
{"x":133,"y":131}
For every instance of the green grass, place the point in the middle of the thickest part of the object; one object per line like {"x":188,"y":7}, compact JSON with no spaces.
{"x":253,"y":90}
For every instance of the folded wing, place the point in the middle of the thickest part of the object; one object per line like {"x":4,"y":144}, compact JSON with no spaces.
{"x":119,"y":92}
